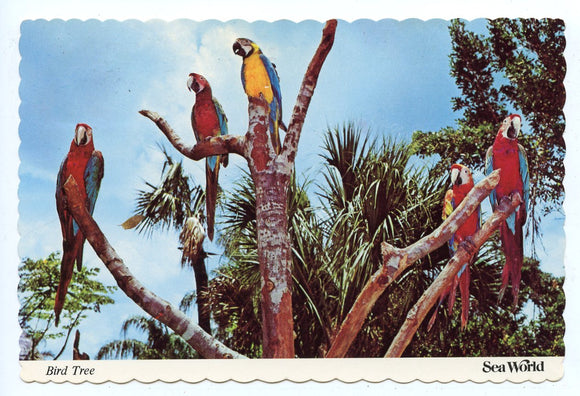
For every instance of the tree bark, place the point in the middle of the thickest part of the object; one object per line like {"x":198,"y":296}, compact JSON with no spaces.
{"x":395,"y":261}
{"x":155,"y":306}
{"x":464,"y":253}
{"x":201,"y":286}
{"x":271,"y":174}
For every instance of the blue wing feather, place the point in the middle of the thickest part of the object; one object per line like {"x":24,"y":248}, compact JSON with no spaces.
{"x":223,"y":120}
{"x":488,"y":170}
{"x":93,"y":176}
{"x":524,"y":174}
{"x":274,"y":79}
{"x":276,"y":105}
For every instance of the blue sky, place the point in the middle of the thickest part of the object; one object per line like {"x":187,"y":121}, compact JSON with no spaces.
{"x":391,"y":77}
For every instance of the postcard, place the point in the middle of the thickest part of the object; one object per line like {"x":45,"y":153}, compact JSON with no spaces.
{"x":306,"y":201}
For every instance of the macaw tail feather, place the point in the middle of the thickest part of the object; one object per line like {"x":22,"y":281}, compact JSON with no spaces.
{"x":452,"y":293}
{"x":283,"y":126}
{"x":211,"y":186}
{"x":442,"y":297}
{"x":434,"y":316}
{"x":275,"y":135}
{"x":464,"y":290}
{"x":66,"y":270}
{"x":79,"y":258}
{"x":513,"y":249}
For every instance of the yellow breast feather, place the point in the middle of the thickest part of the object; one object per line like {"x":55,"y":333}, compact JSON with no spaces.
{"x":256,"y":78}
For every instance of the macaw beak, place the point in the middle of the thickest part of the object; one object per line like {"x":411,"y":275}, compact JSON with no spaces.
{"x":192,"y":84}
{"x":514,"y":128}
{"x":81,"y":135}
{"x":455,"y":177}
{"x":238,"y":49}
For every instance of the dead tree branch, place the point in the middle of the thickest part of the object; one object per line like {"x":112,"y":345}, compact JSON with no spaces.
{"x":213,"y":146}
{"x":155,"y":306}
{"x":396,"y":260}
{"x":464,"y":253}
{"x":271,"y":174}
{"x":306,"y":91}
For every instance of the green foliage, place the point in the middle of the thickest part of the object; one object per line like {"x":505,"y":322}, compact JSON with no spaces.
{"x":518,"y":65}
{"x":494,"y":331}
{"x":371,"y":191}
{"x":159,"y":343}
{"x":175,"y":203}
{"x":37,"y":289}
{"x":171,"y":202}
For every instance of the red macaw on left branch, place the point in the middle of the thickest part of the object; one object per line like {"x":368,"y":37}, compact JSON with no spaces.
{"x":86,"y":166}
{"x":208,"y":120}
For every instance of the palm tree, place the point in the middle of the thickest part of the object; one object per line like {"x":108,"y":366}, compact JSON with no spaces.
{"x":159,"y":343}
{"x":174,"y":203}
{"x":370,"y":193}
{"x":375,"y":193}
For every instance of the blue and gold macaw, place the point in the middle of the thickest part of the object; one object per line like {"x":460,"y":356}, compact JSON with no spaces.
{"x":259,"y":77}
{"x":509,"y":156}
{"x":208,"y":120}
{"x":86,"y":166}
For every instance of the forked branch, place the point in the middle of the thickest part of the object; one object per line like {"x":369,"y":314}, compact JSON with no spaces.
{"x":307,"y":90}
{"x":213,"y":146}
{"x":396,"y":260}
{"x":464,"y":253}
{"x":155,"y":306}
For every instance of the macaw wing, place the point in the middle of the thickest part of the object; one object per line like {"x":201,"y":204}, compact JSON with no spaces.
{"x":488,"y":169}
{"x":221,"y":115}
{"x":448,"y":208}
{"x":447,"y":204}
{"x":524,"y":173}
{"x":93,"y":175}
{"x":60,"y":207}
{"x":274,"y":80}
{"x":223,"y":121}
{"x":194,"y":126}
{"x":243,"y":73}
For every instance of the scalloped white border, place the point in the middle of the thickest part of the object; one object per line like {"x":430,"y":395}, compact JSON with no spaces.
{"x":404,"y":370}
{"x":13,"y":12}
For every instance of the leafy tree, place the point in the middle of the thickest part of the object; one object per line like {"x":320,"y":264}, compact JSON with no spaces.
{"x":159,"y":343}
{"x":494,"y":331}
{"x":372,"y":191}
{"x":37,"y":289}
{"x":518,"y":65}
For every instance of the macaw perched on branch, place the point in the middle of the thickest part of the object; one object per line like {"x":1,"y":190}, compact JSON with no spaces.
{"x":86,"y":166}
{"x":461,"y":185}
{"x":509,"y":156}
{"x":260,"y":78}
{"x":208,"y":120}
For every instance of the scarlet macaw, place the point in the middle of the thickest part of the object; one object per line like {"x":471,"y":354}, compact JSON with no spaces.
{"x":259,"y":76}
{"x":86,"y":166}
{"x":461,"y":185}
{"x":207,"y":120}
{"x":509,"y":156}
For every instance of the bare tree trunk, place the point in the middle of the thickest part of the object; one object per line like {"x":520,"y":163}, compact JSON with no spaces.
{"x":155,"y":306}
{"x":201,"y":285}
{"x":275,"y":257}
{"x":271,"y":174}
{"x":464,"y":253}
